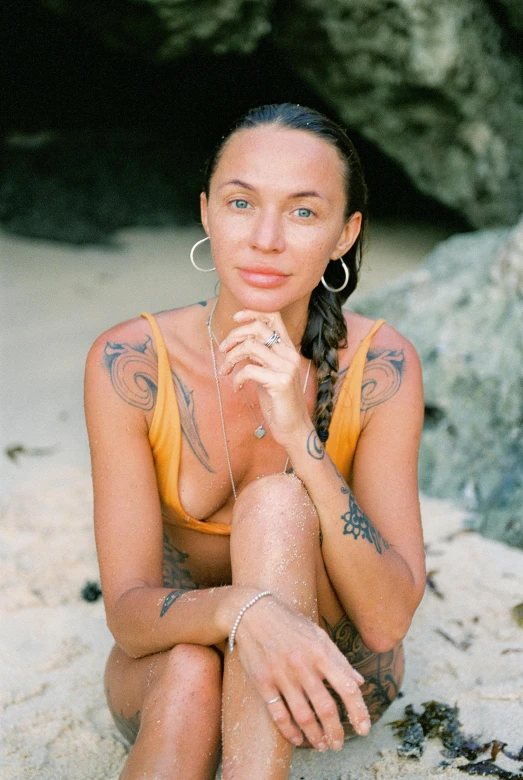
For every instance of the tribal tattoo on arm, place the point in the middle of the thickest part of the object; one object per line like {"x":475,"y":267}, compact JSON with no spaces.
{"x":382,"y":376}
{"x":174,"y":574}
{"x":134,"y":375}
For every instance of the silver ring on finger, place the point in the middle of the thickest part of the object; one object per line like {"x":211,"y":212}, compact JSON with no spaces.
{"x":273,"y":701}
{"x":274,"y":338}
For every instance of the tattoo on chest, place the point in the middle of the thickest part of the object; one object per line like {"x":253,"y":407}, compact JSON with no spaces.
{"x":134,"y":371}
{"x":382,"y":376}
{"x":175,"y":575}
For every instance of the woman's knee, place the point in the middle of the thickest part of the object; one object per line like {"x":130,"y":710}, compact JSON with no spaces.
{"x":276,"y":496}
{"x":194,"y":666}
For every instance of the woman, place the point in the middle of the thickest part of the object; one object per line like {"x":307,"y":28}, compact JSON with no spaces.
{"x":254,"y":465}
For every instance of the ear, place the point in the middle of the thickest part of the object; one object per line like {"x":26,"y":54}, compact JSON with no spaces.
{"x":349,"y":234}
{"x":203,"y":212}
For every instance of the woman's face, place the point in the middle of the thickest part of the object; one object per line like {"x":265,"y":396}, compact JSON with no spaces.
{"x":276,"y":215}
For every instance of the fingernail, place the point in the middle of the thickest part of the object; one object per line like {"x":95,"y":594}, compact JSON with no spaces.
{"x":360,"y":677}
{"x":365,"y":726}
{"x":337,"y":744}
{"x":296,"y":741}
{"x":322,"y":746}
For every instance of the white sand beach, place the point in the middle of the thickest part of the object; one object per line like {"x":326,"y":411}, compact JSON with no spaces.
{"x":463,"y":648}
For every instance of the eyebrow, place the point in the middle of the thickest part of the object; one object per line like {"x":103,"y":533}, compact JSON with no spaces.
{"x":302,"y":194}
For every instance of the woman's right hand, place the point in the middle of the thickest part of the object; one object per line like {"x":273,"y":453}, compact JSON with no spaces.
{"x":287,"y":655}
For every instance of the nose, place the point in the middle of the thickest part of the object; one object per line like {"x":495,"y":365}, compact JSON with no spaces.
{"x":267,"y":232}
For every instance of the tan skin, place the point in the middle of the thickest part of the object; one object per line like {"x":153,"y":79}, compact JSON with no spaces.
{"x":276,"y":201}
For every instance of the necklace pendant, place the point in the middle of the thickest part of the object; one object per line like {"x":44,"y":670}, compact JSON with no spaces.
{"x":260,"y":432}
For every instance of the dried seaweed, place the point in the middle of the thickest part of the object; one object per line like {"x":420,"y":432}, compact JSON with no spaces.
{"x":431,"y":584}
{"x":517,"y":614}
{"x":441,"y":720}
{"x":14,"y":452}
{"x":91,"y":591}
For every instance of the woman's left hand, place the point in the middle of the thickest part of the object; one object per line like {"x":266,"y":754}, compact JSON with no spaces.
{"x":276,"y":370}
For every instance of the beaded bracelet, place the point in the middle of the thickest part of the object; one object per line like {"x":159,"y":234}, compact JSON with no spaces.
{"x":241,"y":613}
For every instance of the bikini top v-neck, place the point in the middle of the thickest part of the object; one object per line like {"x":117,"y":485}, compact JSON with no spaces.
{"x":165,"y":433}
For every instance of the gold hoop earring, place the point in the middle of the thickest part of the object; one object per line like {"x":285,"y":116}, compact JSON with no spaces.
{"x":202,"y":270}
{"x":343,"y":286}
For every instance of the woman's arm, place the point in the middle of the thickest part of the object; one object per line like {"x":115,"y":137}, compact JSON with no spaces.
{"x":372,"y":540}
{"x":143,"y":616}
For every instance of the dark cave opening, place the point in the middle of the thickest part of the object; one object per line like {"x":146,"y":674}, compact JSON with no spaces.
{"x":82,"y":124}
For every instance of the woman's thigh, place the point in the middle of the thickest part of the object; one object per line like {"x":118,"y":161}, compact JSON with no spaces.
{"x":383,"y":672}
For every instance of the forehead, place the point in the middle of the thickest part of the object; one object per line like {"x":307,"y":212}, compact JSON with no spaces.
{"x":296,"y":159}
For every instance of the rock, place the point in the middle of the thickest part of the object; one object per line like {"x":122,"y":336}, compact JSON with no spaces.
{"x":438,"y":86}
{"x":463,"y":310}
{"x":434,"y":85}
{"x":165,"y":29}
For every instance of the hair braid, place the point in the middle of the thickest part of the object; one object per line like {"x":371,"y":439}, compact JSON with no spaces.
{"x":326,"y":331}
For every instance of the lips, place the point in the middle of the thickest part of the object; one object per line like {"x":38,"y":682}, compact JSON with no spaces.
{"x":262,"y":276}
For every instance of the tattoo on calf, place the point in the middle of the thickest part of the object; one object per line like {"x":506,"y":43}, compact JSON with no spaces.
{"x":133,"y":371}
{"x":174,"y":574}
{"x":127,"y":726}
{"x":314,"y":446}
{"x":357,"y":524}
{"x":382,"y":377}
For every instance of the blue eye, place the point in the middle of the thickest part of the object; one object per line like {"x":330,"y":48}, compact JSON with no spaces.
{"x":240,"y":204}
{"x":304,"y":213}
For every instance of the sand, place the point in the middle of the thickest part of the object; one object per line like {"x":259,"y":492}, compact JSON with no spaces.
{"x":53,"y":645}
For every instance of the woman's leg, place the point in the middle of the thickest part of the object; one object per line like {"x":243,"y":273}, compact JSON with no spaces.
{"x":274,"y":545}
{"x":170,"y":704}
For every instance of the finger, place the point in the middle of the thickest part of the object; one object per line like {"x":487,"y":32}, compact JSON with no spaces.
{"x":342,"y":681}
{"x":305,"y":718}
{"x":258,"y":354}
{"x":272,"y":381}
{"x":326,"y":710}
{"x":255,"y":330}
{"x":271,"y":319}
{"x":282,"y":719}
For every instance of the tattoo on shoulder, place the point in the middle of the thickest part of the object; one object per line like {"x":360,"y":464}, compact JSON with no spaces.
{"x":133,"y":371}
{"x":314,"y":446}
{"x":175,"y":575}
{"x":382,"y":376}
{"x":190,"y":430}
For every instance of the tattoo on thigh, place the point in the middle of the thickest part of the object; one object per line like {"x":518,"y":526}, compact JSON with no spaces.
{"x":383,"y":672}
{"x":382,"y":376}
{"x":175,"y":575}
{"x":133,"y":371}
{"x":127,"y":726}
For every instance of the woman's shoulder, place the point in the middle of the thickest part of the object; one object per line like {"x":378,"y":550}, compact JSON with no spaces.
{"x":385,"y":337}
{"x":173,"y":324}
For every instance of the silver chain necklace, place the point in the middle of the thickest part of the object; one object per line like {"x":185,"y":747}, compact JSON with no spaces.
{"x":220,"y":404}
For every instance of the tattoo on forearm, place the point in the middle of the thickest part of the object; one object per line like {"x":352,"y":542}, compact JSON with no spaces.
{"x":174,"y":574}
{"x":357,"y":523}
{"x":189,"y":427}
{"x":314,"y":446}
{"x":173,"y":596}
{"x":133,"y":371}
{"x":382,"y":376}
{"x":383,"y":672}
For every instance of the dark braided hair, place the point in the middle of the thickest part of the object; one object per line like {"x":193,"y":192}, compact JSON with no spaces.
{"x":326,"y":330}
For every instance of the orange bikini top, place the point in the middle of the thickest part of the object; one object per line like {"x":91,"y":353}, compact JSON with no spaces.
{"x":165,"y":433}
